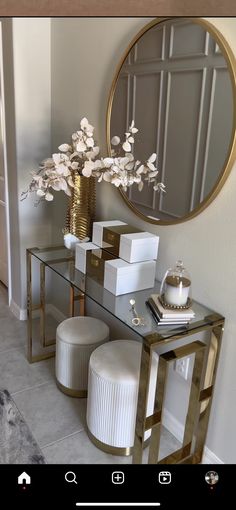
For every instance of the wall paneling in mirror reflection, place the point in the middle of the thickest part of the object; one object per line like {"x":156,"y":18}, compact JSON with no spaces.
{"x":176,"y":82}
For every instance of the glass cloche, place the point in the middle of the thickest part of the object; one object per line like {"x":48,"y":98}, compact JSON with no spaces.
{"x":175,"y":289}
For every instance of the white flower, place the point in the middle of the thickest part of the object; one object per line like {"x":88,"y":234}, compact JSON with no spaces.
{"x":97,"y":164}
{"x":126,"y":146}
{"x":116,"y":181}
{"x":108,"y":162}
{"x":40,"y":193}
{"x":159,"y":187}
{"x":152,"y":158}
{"x":81,"y":158}
{"x":90,"y":142}
{"x":107,"y":177}
{"x":49,"y":196}
{"x":88,"y":168}
{"x":81,"y":146}
{"x":65,"y":147}
{"x":84,"y":124}
{"x":74,"y":165}
{"x":115,"y":140}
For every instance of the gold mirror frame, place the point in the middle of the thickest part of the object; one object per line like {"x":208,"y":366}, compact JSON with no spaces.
{"x":231,"y":156}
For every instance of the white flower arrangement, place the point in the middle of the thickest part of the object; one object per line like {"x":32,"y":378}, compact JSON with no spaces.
{"x":81,"y":157}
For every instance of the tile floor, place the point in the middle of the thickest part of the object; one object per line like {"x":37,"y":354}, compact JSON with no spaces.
{"x":58,"y":422}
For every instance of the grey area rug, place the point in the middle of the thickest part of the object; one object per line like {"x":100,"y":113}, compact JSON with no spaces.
{"x":17,"y":444}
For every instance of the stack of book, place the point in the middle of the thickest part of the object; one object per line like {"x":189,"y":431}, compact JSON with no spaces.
{"x":168,"y":317}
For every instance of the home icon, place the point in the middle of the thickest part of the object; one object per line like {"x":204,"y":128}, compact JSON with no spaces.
{"x":24,"y":478}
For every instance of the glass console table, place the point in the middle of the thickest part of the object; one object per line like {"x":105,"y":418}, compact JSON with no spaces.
{"x":171,"y":343}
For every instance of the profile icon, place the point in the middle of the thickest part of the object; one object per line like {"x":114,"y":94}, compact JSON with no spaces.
{"x":212,"y":477}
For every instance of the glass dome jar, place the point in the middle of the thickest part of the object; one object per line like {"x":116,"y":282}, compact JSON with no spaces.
{"x":175,"y":289}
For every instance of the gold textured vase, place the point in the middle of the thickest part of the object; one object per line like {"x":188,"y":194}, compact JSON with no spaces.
{"x":81,"y":211}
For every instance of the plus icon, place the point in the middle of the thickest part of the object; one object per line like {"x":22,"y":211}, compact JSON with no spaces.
{"x":117,"y":477}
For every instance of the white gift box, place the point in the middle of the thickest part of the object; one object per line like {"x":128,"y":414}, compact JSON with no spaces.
{"x":98,"y":227}
{"x":138,"y":247}
{"x":81,"y":255}
{"x":121,"y":277}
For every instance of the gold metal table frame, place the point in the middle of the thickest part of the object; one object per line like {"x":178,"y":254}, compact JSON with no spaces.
{"x":200,"y":399}
{"x":203,"y":375}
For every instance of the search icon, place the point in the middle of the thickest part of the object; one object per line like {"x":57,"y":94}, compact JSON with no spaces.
{"x":70,"y":477}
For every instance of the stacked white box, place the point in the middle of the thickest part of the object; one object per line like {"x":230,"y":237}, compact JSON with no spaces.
{"x":98,"y":227}
{"x":138,"y":247}
{"x":121,"y":277}
{"x":81,"y":255}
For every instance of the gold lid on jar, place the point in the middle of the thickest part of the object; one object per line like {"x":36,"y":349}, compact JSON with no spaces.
{"x":178,"y":281}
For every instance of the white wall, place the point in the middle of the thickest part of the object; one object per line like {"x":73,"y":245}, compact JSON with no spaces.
{"x":84,"y":57}
{"x":27,"y":74}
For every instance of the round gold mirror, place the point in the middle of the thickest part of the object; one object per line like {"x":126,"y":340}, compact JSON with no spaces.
{"x":177,"y":80}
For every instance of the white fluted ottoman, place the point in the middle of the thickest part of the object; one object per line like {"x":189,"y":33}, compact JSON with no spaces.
{"x":113,"y":393}
{"x":76,"y":339}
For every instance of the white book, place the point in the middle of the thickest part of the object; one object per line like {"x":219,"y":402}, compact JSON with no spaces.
{"x":162,"y":321}
{"x":172,"y":314}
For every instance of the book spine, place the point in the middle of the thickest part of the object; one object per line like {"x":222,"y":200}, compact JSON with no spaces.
{"x":162,"y":322}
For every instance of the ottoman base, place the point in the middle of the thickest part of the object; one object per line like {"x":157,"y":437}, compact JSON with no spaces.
{"x":70,"y":392}
{"x":113,"y":450}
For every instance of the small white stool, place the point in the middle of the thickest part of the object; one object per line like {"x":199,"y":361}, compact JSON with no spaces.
{"x":113,"y":393}
{"x":76,"y":339}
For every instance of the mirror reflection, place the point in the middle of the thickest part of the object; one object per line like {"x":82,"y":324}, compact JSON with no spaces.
{"x":175,"y":83}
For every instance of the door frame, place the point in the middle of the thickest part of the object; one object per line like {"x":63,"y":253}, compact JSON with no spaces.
{"x":3,"y":133}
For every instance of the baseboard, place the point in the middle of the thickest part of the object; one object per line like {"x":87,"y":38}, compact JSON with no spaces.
{"x":21,"y":313}
{"x":210,"y":458}
{"x":55,"y":312}
{"x":176,"y":428}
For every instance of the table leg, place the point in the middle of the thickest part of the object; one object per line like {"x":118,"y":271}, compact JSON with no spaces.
{"x":158,"y":411}
{"x":155,"y":421}
{"x":72,"y":301}
{"x":39,"y":357}
{"x":145,"y":369}
{"x":42,"y":305}
{"x":29,"y":305}
{"x":206,"y":395}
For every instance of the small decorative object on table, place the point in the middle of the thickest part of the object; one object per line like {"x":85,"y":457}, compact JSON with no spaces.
{"x":70,"y":241}
{"x":137,"y":320}
{"x":175,"y":292}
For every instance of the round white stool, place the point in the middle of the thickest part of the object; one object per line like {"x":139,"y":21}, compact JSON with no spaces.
{"x":113,"y":393}
{"x":76,"y":339}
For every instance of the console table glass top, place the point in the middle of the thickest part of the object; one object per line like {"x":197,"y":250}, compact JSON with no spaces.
{"x":61,"y":261}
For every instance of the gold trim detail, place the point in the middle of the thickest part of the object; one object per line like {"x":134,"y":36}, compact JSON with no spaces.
{"x":202,"y":386}
{"x":174,"y":307}
{"x":70,"y":392}
{"x":230,"y":59}
{"x":113,"y":450}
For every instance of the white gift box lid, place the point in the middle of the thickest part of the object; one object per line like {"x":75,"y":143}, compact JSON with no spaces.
{"x":139,"y":237}
{"x":98,"y":227}
{"x":108,"y":223}
{"x":86,"y":246}
{"x":123,"y":267}
{"x":138,"y":247}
